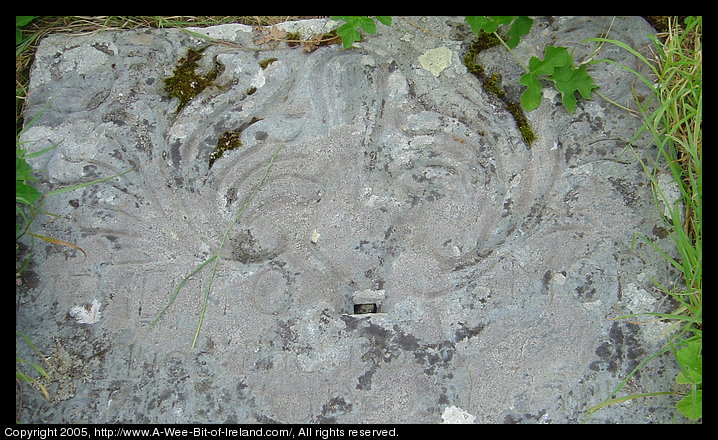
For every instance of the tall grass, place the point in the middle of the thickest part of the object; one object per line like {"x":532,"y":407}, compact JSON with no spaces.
{"x":675,"y":126}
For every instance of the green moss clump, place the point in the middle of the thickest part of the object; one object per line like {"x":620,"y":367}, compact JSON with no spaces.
{"x":185,"y":83}
{"x":522,"y":123}
{"x":492,"y":84}
{"x":293,"y":38}
{"x":483,"y":42}
{"x":228,"y":141}
{"x":265,"y":63}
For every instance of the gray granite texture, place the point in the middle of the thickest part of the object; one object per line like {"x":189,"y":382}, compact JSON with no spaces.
{"x":500,"y":265}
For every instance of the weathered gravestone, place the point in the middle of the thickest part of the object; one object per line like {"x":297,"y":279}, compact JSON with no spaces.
{"x":407,"y":255}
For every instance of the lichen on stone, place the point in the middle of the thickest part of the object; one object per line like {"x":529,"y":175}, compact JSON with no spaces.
{"x":436,"y":60}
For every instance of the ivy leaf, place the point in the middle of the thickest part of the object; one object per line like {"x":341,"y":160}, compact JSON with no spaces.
{"x":553,"y":57}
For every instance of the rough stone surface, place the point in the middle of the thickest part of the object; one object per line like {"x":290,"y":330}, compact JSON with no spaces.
{"x":501,"y":264}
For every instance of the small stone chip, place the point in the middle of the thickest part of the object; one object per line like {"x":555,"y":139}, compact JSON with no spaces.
{"x":456,"y":415}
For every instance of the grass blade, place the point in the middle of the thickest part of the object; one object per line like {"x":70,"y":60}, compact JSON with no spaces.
{"x":22,"y":376}
{"x":59,"y":242}
{"x":83,"y":185}
{"x":624,"y":399}
{"x":179,"y":287}
{"x":224,"y":239}
{"x":40,"y":152}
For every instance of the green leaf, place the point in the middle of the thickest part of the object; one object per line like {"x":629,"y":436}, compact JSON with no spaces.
{"x":348,"y":35}
{"x":497,"y":20}
{"x":476,"y":22}
{"x":348,"y":31}
{"x":553,"y":57}
{"x":487,"y":24}
{"x":568,"y":80}
{"x":22,"y":20}
{"x":25,"y":193}
{"x":531,"y":97}
{"x":384,"y":19}
{"x":520,"y":27}
{"x":691,"y":406}
{"x":367,"y":24}
{"x":23,"y":170}
{"x":557,"y":66}
{"x":691,"y":362}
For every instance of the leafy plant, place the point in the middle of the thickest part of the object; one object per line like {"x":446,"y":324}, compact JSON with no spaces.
{"x":690,"y":359}
{"x":557,"y":66}
{"x":520,"y":26}
{"x":348,"y":31}
{"x":20,"y":21}
{"x":675,"y":126}
{"x":25,"y":194}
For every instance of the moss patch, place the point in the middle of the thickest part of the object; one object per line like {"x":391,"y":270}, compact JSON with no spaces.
{"x":293,"y":38}
{"x":265,"y":63}
{"x":185,"y":83}
{"x":229,"y":140}
{"x":492,"y":84}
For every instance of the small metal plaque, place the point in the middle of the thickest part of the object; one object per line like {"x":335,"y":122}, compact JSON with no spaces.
{"x":360,"y":309}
